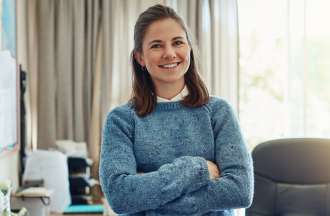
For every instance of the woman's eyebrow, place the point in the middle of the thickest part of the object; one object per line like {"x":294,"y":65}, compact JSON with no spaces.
{"x":178,"y":38}
{"x":160,"y":41}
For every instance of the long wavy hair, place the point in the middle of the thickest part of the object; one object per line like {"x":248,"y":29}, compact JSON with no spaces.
{"x":143,"y":97}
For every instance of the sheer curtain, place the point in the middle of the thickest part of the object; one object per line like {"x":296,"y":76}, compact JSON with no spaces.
{"x":284,"y":69}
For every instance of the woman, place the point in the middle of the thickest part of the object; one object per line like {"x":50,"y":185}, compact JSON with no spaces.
{"x":162,"y":152}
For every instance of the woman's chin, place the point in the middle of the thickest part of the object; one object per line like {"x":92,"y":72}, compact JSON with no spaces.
{"x":172,"y":79}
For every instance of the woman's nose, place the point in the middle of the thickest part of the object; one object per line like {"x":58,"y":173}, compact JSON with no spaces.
{"x":169,"y":53}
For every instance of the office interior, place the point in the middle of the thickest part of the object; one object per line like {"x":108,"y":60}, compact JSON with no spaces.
{"x":71,"y":58}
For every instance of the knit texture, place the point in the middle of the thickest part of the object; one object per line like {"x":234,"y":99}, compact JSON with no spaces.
{"x":170,"y":147}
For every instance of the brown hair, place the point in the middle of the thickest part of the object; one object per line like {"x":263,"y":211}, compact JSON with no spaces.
{"x":143,"y":98}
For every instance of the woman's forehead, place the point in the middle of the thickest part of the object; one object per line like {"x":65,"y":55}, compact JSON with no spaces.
{"x":163,"y":30}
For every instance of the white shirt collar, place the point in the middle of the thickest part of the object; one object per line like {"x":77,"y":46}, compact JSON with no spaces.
{"x":178,"y":97}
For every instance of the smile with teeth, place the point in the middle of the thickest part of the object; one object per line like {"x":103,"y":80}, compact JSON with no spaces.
{"x":173,"y":65}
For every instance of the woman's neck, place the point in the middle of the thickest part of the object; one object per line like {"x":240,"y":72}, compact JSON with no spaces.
{"x":170,"y":90}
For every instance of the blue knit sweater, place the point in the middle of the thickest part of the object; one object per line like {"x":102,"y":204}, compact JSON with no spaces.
{"x":170,"y":147}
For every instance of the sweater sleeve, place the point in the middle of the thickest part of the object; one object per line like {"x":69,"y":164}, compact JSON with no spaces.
{"x":128,"y":192}
{"x":234,"y":188}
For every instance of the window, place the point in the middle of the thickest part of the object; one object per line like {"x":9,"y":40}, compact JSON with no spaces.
{"x":284,"y":71}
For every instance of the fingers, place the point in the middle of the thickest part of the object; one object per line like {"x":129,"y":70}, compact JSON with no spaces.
{"x":213,"y":170}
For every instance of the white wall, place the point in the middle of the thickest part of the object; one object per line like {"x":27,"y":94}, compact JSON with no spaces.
{"x":9,"y":166}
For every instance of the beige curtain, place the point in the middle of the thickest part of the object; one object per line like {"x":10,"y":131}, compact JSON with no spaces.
{"x":27,"y":56}
{"x":77,"y":52}
{"x":61,"y":62}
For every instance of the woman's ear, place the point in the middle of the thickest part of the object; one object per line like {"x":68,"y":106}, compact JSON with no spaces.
{"x":139,"y":58}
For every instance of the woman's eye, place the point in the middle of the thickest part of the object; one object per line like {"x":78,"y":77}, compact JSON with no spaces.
{"x":155,"y":46}
{"x":177,"y":43}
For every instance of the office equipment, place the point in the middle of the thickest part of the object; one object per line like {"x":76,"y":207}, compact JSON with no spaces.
{"x":81,"y":184}
{"x":80,"y":179}
{"x":79,"y":164}
{"x":292,"y":177}
{"x":33,"y":183}
{"x":34,"y":192}
{"x":51,"y":166}
{"x":36,"y":200}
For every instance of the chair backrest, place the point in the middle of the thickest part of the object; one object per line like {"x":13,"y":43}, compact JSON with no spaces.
{"x":292,"y":177}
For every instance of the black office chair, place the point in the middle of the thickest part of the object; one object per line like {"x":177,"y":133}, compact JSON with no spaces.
{"x":292,"y":178}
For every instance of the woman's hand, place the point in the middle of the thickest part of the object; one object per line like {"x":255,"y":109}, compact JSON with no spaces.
{"x":212,"y":167}
{"x":213,"y":170}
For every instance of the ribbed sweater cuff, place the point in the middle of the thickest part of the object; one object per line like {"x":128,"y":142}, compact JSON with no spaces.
{"x":203,"y":172}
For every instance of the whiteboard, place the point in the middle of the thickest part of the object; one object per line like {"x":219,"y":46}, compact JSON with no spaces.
{"x":8,"y":101}
{"x":8,"y":76}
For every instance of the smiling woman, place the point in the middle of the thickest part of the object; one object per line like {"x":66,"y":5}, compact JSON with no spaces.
{"x":166,"y":55}
{"x":159,"y":43}
{"x":172,"y":149}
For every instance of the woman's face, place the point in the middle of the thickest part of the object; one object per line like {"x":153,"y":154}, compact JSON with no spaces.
{"x":165,"y":52}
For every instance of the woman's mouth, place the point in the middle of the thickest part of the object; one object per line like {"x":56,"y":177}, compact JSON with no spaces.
{"x":170,"y":66}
